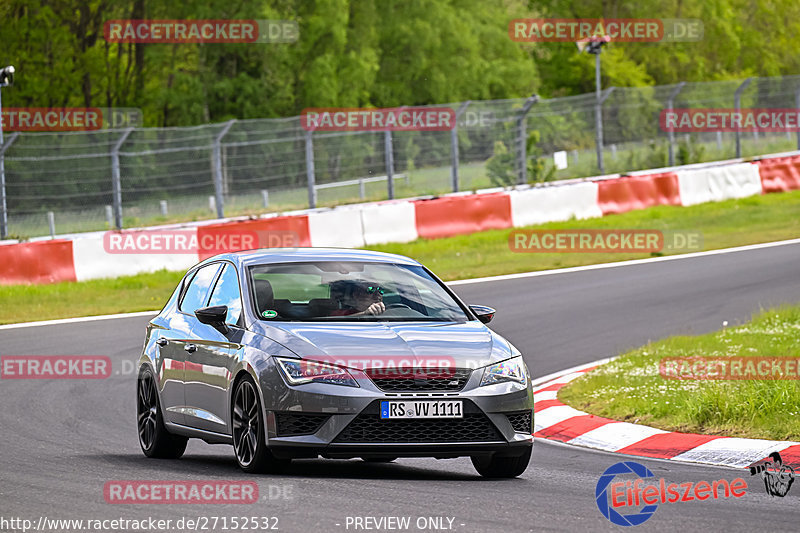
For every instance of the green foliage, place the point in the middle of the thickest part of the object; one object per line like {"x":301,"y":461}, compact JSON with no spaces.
{"x":350,"y":53}
{"x":501,"y":167}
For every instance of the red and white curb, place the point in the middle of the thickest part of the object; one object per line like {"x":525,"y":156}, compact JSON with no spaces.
{"x":555,"y":421}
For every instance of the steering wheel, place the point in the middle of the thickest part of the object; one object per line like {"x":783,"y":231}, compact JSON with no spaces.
{"x":397,"y":305}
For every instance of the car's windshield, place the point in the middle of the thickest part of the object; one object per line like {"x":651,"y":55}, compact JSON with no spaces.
{"x":347,"y":291}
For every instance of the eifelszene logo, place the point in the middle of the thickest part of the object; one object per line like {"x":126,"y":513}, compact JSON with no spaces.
{"x":614,"y":497}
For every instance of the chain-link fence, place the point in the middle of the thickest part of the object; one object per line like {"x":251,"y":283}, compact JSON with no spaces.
{"x":81,"y":181}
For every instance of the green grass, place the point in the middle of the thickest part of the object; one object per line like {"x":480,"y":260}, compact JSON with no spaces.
{"x":631,"y":389}
{"x":723,"y":224}
{"x":127,"y":294}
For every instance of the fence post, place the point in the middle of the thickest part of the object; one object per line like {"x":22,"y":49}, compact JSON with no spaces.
{"x":598,"y":121}
{"x":670,"y":131}
{"x":389,"y":158}
{"x":522,"y":140}
{"x":312,"y":188}
{"x":116,"y":185}
{"x":3,"y":203}
{"x":454,"y":147}
{"x":797,"y":106}
{"x":737,"y":104}
{"x":217,"y":155}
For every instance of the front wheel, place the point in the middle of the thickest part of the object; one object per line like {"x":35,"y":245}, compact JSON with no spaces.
{"x":249,"y":443}
{"x":502,"y":466}
{"x":154,"y":438}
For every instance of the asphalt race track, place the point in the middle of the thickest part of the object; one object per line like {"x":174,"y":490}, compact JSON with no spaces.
{"x":61,"y":440}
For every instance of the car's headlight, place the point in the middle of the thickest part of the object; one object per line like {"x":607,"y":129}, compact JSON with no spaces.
{"x":299,"y":371}
{"x":509,"y":370}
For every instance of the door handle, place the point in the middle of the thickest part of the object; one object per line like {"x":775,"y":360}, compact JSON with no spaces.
{"x":191,"y":348}
{"x":162,"y":341}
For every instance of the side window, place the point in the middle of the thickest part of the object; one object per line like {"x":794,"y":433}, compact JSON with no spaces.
{"x":197,"y":291}
{"x":226,"y":292}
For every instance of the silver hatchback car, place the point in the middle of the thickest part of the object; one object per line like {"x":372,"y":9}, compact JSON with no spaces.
{"x":307,"y":352}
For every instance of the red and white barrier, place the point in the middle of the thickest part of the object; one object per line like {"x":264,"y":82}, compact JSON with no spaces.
{"x":338,"y":228}
{"x":538,"y":205}
{"x":780,"y":174}
{"x":714,"y":184}
{"x":83,"y":256}
{"x":628,"y":193}
{"x":93,"y":260}
{"x":37,"y":262}
{"x":461,"y":214}
{"x":389,"y":222}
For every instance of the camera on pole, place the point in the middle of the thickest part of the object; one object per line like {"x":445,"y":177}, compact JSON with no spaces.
{"x":7,"y":76}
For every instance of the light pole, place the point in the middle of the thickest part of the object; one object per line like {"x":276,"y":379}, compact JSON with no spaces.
{"x":594,"y":46}
{"x":6,"y":80}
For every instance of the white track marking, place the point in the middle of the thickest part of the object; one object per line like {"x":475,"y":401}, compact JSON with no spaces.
{"x":615,"y":436}
{"x":78,"y":319}
{"x":624,"y":263}
{"x":546,"y":395}
{"x":553,"y":415}
{"x":732,"y":451}
{"x":555,"y":375}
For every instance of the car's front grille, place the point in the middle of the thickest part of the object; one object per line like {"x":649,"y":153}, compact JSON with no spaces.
{"x":368,"y":427}
{"x":521,"y":421}
{"x":289,"y":424}
{"x":413,"y":380}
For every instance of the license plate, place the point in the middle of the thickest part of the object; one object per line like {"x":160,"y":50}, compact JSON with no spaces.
{"x":421,"y":409}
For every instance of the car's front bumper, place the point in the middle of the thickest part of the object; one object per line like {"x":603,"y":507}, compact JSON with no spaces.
{"x":491,"y":430}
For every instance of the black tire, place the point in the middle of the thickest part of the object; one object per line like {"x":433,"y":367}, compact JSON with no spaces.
{"x":154,"y":438}
{"x":502,"y":466}
{"x":249,"y":442}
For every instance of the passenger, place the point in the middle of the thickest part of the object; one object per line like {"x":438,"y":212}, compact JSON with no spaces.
{"x":358,"y":298}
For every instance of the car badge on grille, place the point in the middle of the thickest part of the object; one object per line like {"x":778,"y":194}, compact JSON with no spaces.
{"x":454,"y":382}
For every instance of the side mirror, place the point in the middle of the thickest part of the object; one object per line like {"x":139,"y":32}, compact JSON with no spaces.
{"x":213,"y":316}
{"x":484,"y":313}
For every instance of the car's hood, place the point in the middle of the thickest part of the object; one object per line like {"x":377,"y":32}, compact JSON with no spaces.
{"x":468,"y":344}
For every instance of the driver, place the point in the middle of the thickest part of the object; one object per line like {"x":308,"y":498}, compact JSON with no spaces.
{"x":359,"y":298}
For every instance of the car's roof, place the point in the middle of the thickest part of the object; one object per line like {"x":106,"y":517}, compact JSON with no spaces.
{"x":296,"y":255}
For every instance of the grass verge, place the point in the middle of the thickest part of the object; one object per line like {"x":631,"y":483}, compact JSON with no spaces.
{"x":630,"y":388}
{"x":724,"y":224}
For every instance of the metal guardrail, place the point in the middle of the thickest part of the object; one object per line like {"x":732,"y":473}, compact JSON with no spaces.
{"x":131,"y":173}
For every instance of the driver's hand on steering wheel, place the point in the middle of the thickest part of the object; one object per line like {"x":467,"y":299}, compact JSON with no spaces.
{"x":375,"y":309}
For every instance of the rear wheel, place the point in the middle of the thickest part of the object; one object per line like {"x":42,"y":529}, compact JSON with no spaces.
{"x":154,"y":438}
{"x":249,"y":443}
{"x":502,"y":466}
